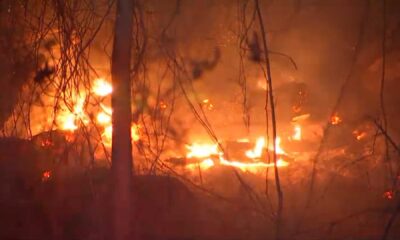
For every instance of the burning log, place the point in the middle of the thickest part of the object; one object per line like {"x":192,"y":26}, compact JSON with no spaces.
{"x":238,"y":154}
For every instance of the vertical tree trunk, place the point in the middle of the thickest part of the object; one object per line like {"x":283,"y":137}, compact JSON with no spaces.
{"x":121,"y":120}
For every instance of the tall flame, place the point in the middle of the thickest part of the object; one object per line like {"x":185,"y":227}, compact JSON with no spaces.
{"x":278,"y":147}
{"x":69,"y":120}
{"x":257,"y":151}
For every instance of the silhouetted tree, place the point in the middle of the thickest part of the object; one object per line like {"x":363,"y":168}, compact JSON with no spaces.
{"x":121,"y":119}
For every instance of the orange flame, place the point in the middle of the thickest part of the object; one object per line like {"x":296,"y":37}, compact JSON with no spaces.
{"x":206,"y":151}
{"x":253,"y":166}
{"x":203,"y":165}
{"x":297,"y":133}
{"x":257,"y":151}
{"x":278,"y":147}
{"x":201,"y":150}
{"x":70,"y":120}
{"x":107,"y":134}
{"x":101,"y":87}
{"x":103,"y":118}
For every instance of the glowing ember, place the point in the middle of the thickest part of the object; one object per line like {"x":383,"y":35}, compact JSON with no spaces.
{"x":69,"y":137}
{"x":46,"y":143}
{"x":208,"y":104}
{"x":163,"y":105}
{"x":46,"y":176}
{"x":388,"y":195}
{"x":359,"y":135}
{"x":101,"y":87}
{"x":335,"y":119}
{"x":257,"y":151}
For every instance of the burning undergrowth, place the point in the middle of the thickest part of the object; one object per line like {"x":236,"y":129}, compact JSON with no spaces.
{"x":204,"y":119}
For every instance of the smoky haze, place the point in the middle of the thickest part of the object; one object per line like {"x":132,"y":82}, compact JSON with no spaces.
{"x":201,"y":125}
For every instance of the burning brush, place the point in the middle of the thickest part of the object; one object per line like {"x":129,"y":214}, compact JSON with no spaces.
{"x":240,"y":154}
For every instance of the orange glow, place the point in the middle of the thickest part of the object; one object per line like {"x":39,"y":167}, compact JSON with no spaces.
{"x":107,"y":134}
{"x":335,"y":119}
{"x":201,"y":150}
{"x":69,"y":137}
{"x":106,"y":109}
{"x":279,"y":150}
{"x":163,"y":105}
{"x":388,"y":195}
{"x":101,"y":87}
{"x":135,"y":132}
{"x":203,"y":165}
{"x":204,"y":152}
{"x":301,"y":117}
{"x":262,"y":84}
{"x":297,"y":133}
{"x":103,"y":118}
{"x":253,"y":166}
{"x":46,"y":176}
{"x":257,"y":151}
{"x":243,"y":140}
{"x":359,"y":135}
{"x":69,"y":123}
{"x":206,"y":102}
{"x":46,"y":143}
{"x":70,"y":120}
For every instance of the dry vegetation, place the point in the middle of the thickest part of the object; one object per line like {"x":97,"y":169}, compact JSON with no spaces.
{"x":218,"y":73}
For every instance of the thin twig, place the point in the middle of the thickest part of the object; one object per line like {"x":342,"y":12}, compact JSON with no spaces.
{"x":273,"y":120}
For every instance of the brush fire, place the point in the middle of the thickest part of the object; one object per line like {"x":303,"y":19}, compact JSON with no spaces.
{"x":208,"y":120}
